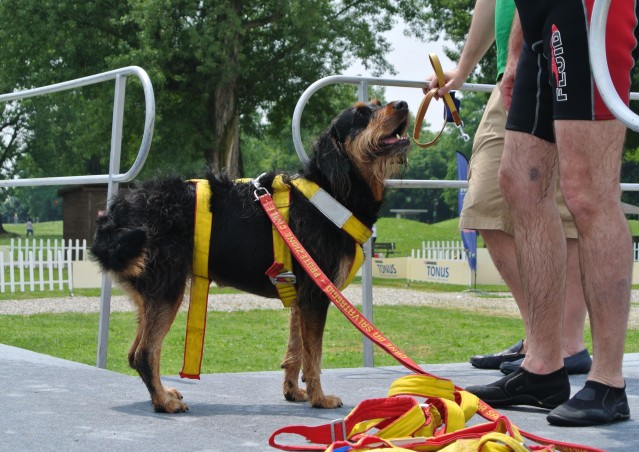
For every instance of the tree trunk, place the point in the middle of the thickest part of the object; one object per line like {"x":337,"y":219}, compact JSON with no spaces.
{"x":2,"y":229}
{"x":226,"y":140}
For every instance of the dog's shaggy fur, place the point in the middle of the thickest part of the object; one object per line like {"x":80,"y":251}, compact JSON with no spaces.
{"x":145,"y":241}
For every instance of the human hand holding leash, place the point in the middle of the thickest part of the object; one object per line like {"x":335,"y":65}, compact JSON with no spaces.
{"x":448,"y":100}
{"x":454,"y":80}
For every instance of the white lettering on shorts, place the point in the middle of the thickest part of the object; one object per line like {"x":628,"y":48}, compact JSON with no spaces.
{"x":558,"y":64}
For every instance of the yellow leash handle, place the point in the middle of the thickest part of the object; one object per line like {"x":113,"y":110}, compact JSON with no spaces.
{"x":423,"y":107}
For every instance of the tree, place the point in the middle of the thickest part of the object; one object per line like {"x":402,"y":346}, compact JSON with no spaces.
{"x":242,"y":63}
{"x":216,"y":65}
{"x":450,"y":20}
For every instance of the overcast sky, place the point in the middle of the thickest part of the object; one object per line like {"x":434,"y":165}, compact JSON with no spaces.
{"x":410,"y":58}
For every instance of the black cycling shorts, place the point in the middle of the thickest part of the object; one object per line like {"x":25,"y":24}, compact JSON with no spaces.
{"x":553,"y":78}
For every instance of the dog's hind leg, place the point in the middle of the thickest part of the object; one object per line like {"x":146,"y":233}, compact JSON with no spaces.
{"x":138,"y":300}
{"x":292,"y":363}
{"x":312,"y":321}
{"x":155,"y":319}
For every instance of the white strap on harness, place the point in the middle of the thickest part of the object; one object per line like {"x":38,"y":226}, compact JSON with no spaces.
{"x":332,"y":209}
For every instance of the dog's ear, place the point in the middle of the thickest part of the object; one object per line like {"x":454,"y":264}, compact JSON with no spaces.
{"x":351,"y":121}
{"x":331,"y":160}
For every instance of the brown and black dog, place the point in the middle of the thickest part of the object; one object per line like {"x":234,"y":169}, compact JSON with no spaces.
{"x":145,"y":241}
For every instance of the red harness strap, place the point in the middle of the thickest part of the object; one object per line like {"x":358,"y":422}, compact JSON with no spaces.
{"x":366,"y":327}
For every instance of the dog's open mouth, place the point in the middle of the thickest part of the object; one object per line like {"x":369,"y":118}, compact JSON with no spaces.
{"x":398,"y":142}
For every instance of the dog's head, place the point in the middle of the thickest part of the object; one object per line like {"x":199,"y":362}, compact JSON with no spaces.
{"x":370,"y":137}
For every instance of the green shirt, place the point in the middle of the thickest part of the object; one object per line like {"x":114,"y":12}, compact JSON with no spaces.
{"x":504,"y":12}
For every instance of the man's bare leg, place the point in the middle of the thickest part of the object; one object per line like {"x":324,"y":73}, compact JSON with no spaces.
{"x":575,"y":310}
{"x":502,"y":251}
{"x":528,"y":181}
{"x":590,"y":159}
{"x":501,"y":247}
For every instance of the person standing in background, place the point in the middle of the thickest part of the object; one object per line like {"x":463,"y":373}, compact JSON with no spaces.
{"x":485,"y":209}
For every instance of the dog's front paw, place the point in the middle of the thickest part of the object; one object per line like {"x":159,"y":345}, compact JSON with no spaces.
{"x":172,"y":406}
{"x":169,"y":403}
{"x":327,"y":402}
{"x":295,"y":395}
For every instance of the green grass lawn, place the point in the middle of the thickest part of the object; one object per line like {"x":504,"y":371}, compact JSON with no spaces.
{"x":45,"y":230}
{"x":255,"y":340}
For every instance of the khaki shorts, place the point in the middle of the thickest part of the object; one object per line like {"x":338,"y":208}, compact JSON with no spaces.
{"x":484,"y":206}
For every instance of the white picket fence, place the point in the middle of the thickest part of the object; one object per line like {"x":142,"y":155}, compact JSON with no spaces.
{"x":453,"y":250}
{"x":39,"y":265}
{"x":443,"y":250}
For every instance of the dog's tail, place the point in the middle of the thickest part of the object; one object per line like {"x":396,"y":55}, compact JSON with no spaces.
{"x":122,"y":251}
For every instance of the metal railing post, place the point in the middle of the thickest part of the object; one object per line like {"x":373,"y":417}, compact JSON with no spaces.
{"x":112,"y":190}
{"x":367,"y":267}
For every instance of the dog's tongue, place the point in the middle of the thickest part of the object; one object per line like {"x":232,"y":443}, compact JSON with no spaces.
{"x":390,"y":140}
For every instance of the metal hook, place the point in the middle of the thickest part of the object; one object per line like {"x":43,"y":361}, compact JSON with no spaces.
{"x":463,"y":134}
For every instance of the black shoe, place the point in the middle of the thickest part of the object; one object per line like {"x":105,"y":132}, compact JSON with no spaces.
{"x":576,"y":364}
{"x":525,"y":388}
{"x":595,"y":404}
{"x":493,"y":361}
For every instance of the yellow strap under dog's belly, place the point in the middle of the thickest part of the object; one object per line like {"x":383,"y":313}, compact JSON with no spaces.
{"x":200,"y":282}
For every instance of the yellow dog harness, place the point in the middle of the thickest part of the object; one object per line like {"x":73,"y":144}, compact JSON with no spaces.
{"x":280,"y":272}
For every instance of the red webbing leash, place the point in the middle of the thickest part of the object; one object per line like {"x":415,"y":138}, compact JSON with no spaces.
{"x":366,"y":327}
{"x":333,"y":293}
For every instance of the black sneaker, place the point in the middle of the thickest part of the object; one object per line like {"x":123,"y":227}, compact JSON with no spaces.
{"x":492,"y":361}
{"x":576,"y":364}
{"x":595,"y":404}
{"x":525,"y":388}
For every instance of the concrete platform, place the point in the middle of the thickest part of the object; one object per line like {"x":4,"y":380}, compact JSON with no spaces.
{"x":53,"y":404}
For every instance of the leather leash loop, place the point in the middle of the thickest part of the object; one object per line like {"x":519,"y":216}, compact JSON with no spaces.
{"x":448,"y":100}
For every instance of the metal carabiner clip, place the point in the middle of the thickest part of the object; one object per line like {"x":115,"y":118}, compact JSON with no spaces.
{"x":259,"y":190}
{"x":463,"y":134}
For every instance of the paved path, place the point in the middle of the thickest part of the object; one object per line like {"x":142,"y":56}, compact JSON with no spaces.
{"x":51,"y":404}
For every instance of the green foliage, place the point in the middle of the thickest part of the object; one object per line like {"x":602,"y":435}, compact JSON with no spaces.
{"x":215,"y":65}
{"x":450,"y":20}
{"x":41,"y":203}
{"x":271,"y":146}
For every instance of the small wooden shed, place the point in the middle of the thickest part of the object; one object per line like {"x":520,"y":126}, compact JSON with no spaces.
{"x":81,"y":204}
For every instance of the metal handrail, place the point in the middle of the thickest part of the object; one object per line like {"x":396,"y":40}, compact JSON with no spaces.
{"x":114,"y":177}
{"x":149,"y":122}
{"x":363,"y":83}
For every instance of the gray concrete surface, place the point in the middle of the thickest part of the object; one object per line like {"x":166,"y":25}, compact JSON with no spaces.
{"x":53,"y":404}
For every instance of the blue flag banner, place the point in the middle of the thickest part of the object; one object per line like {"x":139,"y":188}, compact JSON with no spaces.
{"x":469,"y":236}
{"x":448,"y":116}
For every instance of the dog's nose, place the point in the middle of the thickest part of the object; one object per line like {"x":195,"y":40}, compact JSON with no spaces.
{"x":400,"y":105}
